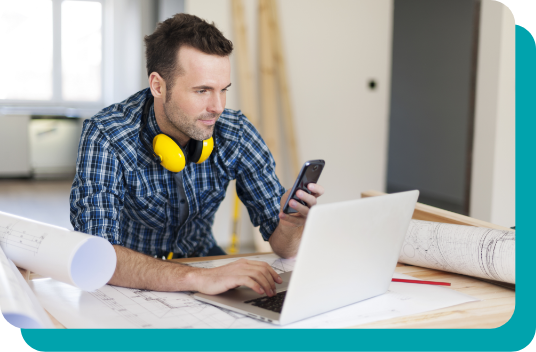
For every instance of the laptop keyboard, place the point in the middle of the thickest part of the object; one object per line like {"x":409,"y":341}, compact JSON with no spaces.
{"x":274,"y":303}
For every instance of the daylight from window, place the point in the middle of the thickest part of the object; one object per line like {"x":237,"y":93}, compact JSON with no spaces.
{"x":81,"y":54}
{"x":26,"y":60}
{"x":31,"y":67}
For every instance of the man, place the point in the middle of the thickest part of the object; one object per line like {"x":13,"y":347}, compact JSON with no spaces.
{"x":121,"y":194}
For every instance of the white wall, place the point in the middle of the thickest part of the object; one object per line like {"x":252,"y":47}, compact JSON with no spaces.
{"x":126,"y":22}
{"x":493,"y":171}
{"x":332,"y":49}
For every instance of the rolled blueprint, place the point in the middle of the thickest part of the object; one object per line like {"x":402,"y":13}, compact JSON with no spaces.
{"x":87,"y":262}
{"x":474,"y":251}
{"x":18,"y":303}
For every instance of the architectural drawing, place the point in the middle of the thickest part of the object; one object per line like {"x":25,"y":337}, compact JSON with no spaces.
{"x":79,"y":259}
{"x":9,"y":237}
{"x":282,"y":265}
{"x":468,"y":250}
{"x":114,"y":307}
{"x":144,"y":309}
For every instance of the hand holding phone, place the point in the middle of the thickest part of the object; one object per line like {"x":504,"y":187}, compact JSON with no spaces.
{"x":309,"y":173}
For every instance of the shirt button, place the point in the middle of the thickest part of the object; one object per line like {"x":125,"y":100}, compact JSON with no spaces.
{"x":183,"y":201}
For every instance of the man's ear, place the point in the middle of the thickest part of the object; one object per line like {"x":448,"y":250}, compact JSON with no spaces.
{"x":157,"y":85}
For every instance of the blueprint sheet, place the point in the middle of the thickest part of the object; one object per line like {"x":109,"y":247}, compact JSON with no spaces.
{"x":118,"y":307}
{"x":468,"y":250}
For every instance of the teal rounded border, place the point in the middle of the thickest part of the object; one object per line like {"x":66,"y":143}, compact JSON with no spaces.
{"x":514,"y":335}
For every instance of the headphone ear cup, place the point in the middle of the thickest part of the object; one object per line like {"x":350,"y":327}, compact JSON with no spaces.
{"x":201,"y":150}
{"x":169,"y":152}
{"x":195,"y":149}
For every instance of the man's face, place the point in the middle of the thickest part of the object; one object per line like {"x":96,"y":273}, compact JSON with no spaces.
{"x":198,"y":96}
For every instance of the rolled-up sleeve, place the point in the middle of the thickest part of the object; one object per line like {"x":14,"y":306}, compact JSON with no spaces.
{"x":97,"y":193}
{"x":257,"y":184}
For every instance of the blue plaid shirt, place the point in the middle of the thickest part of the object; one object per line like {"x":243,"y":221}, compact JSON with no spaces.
{"x":120,"y":194}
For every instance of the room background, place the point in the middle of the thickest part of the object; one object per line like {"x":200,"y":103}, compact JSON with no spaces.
{"x":393,"y":94}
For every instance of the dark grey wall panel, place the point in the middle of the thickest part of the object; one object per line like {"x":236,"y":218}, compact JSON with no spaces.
{"x":431,"y":95}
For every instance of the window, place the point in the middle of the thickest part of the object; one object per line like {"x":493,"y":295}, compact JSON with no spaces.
{"x":54,"y":52}
{"x":26,"y":36}
{"x":81,"y":50}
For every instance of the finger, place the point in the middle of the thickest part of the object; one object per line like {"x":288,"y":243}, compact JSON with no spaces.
{"x":316,"y":189}
{"x":262,"y":271}
{"x":262,"y":280}
{"x":245,"y":280}
{"x":275,"y":276}
{"x":307,"y":198}
{"x":254,"y":269}
{"x":300,"y":208}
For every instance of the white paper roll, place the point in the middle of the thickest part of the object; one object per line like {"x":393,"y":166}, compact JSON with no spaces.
{"x":87,"y":262}
{"x":474,"y":251}
{"x":18,"y":303}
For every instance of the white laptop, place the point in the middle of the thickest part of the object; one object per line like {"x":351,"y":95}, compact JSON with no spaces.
{"x":348,"y":253}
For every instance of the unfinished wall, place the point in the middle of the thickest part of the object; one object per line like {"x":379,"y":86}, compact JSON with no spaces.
{"x":333,"y":50}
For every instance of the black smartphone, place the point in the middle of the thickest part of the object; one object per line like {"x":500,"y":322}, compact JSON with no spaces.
{"x":309,"y":173}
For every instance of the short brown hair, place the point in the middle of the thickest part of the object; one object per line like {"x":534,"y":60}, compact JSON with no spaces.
{"x":162,"y":46}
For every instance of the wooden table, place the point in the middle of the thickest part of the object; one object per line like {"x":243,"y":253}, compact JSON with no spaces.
{"x":495,"y":308}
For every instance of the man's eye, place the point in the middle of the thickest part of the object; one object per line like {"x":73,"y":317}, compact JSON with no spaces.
{"x":201,"y":91}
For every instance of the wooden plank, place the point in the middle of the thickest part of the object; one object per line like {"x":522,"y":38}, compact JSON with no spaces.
{"x":429,"y":213}
{"x":281,"y":72}
{"x":248,"y":88}
{"x":269,"y":115}
{"x":248,"y":94}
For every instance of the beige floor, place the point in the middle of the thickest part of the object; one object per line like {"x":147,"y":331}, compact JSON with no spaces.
{"x":41,"y":200}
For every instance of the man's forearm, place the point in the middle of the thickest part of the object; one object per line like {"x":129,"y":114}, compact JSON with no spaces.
{"x":285,"y":243}
{"x":138,"y":270}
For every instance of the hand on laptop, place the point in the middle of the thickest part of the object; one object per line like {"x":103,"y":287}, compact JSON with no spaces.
{"x":257,"y":275}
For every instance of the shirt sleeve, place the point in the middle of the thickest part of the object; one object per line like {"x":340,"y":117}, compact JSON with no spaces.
{"x":257,"y":184}
{"x":97,"y":194}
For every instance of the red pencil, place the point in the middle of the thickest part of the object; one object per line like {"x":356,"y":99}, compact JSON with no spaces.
{"x":422,"y":282}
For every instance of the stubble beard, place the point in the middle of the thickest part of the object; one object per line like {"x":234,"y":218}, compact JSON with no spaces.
{"x":186,"y":124}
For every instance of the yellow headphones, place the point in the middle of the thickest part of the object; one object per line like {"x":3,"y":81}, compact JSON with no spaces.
{"x":168,"y":153}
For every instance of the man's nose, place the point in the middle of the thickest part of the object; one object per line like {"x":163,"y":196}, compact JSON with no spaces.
{"x":217,"y":104}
